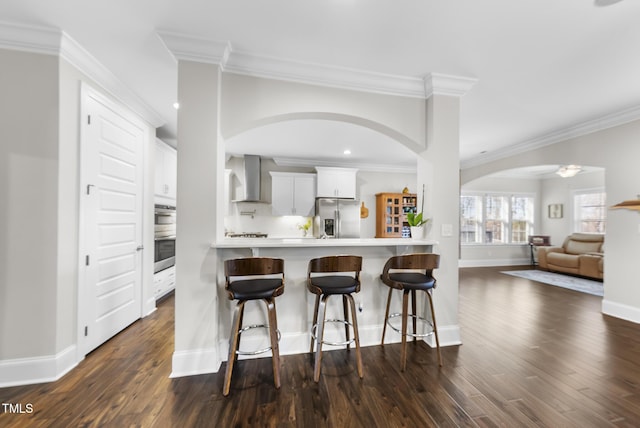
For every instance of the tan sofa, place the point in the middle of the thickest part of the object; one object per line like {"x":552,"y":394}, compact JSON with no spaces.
{"x":581,"y":254}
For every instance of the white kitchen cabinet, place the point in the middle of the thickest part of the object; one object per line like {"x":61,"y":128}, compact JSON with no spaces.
{"x":164,"y":281}
{"x":293,"y":193}
{"x":166,"y":174}
{"x":336,"y":182}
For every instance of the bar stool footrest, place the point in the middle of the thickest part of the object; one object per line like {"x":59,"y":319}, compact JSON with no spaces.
{"x":326,"y":342}
{"x":417,"y":317}
{"x":260,"y":351}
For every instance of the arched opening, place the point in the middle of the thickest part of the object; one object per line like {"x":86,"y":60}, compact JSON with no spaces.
{"x":299,"y":143}
{"x":498,"y":235}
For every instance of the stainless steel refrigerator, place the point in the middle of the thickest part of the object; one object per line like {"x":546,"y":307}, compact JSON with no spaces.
{"x":337,"y":218}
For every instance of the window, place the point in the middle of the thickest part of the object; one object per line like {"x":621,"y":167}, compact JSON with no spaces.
{"x":496,"y":222}
{"x":521,"y":218}
{"x":496,"y":218}
{"x":470,"y":219}
{"x":589,"y":211}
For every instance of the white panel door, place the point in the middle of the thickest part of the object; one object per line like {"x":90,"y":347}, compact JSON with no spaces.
{"x":112,"y":186}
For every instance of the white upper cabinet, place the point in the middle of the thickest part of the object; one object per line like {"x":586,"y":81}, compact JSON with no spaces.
{"x":166,"y":176}
{"x":293,"y":193}
{"x":336,"y":182}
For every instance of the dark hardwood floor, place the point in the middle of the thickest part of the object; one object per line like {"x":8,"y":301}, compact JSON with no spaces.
{"x":533,"y":355}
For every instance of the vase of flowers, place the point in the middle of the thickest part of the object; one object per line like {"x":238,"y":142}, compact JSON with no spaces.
{"x":305,"y":227}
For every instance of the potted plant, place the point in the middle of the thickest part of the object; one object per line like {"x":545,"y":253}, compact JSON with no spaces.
{"x":416,"y":220}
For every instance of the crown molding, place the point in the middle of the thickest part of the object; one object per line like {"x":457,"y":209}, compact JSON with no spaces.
{"x":323,"y":75}
{"x":51,"y":41}
{"x":371,"y":167}
{"x":29,"y":38}
{"x":185,"y":47}
{"x":190,"y":48}
{"x":446,"y":84}
{"x":558,"y":136}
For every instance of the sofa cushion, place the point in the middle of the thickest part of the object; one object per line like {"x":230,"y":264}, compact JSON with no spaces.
{"x":582,"y":247}
{"x":562,"y":259}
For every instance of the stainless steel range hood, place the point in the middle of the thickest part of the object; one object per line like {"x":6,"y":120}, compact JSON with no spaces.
{"x":251,"y":179}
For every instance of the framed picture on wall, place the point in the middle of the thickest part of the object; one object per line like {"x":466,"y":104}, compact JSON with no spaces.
{"x":555,"y":210}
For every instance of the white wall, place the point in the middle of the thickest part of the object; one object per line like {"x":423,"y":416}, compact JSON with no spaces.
{"x":29,"y":191}
{"x":251,"y":101}
{"x":560,"y":191}
{"x":617,"y":150}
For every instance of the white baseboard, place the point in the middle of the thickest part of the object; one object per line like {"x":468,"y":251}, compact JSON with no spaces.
{"x":493,"y":262}
{"x":189,"y":363}
{"x":28,"y":371}
{"x":194,"y":362}
{"x":149,"y":307}
{"x":619,"y":310}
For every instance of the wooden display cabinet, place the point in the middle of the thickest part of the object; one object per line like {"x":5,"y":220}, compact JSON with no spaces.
{"x":391,"y":214}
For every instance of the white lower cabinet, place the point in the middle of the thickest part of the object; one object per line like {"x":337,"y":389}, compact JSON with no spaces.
{"x":164,"y":281}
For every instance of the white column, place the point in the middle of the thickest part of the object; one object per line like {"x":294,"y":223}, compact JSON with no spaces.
{"x":438,"y":170}
{"x":200,"y":181}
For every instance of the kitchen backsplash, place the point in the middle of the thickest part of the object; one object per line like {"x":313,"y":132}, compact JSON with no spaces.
{"x":254,"y":217}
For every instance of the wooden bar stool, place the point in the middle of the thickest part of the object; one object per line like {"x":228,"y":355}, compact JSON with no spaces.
{"x":262,"y":279}
{"x":411,"y":273}
{"x":327,"y":276}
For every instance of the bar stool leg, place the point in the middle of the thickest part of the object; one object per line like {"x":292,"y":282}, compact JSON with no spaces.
{"x":322,"y":310}
{"x":435,"y":328}
{"x":315,"y":322}
{"x":346,"y":318}
{"x":356,"y":335}
{"x":240,"y":324}
{"x":386,"y":316}
{"x":414,"y":312}
{"x":273,"y":333}
{"x":405,"y":309}
{"x":233,"y":346}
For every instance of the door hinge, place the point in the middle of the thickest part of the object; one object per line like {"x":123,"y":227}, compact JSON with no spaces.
{"x":86,"y":330}
{"x":89,"y":186}
{"x":86,"y":260}
{"x":88,"y":119}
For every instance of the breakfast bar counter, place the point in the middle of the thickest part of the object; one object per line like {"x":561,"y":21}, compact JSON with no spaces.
{"x":320,"y":243}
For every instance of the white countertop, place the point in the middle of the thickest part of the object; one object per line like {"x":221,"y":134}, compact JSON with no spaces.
{"x":312,"y":242}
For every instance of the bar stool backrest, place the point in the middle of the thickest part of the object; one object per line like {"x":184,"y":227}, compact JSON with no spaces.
{"x":253,"y":266}
{"x":426,"y":262}
{"x":336,"y":264}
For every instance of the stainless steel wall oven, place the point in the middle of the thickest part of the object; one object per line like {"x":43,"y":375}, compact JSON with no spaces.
{"x":165,"y":237}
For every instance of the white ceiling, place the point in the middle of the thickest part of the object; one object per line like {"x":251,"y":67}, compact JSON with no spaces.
{"x":545,"y":68}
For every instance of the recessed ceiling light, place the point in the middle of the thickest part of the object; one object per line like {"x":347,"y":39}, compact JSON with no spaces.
{"x":176,"y":105}
{"x":347,"y":152}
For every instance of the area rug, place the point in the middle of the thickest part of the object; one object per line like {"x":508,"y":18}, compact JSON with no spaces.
{"x":565,"y":281}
